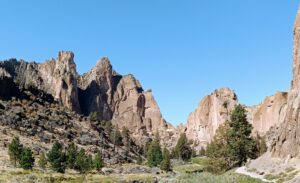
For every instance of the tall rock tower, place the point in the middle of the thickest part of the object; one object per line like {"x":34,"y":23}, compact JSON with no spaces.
{"x":288,"y":141}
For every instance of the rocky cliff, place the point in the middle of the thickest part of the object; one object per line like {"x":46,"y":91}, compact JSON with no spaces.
{"x":212,"y":111}
{"x":287,"y":140}
{"x":270,"y":113}
{"x":110,"y":95}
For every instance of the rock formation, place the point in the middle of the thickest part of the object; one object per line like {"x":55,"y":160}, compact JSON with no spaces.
{"x":215,"y":109}
{"x":269,"y":113}
{"x":112,"y":96}
{"x":287,"y":141}
{"x":212,"y":111}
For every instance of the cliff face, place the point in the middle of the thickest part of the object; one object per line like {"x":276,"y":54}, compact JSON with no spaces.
{"x":215,"y":109}
{"x":212,"y":111}
{"x":56,"y":77}
{"x":114,"y":97}
{"x":270,"y":113}
{"x":287,"y":141}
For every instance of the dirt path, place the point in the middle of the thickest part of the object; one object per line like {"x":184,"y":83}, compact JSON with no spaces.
{"x":243,"y":171}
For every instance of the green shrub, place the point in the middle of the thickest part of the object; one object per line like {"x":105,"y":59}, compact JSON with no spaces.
{"x":183,"y":150}
{"x":27,"y":159}
{"x":98,"y":161}
{"x":15,"y":149}
{"x":57,"y":158}
{"x":166,"y":163}
{"x":154,"y":155}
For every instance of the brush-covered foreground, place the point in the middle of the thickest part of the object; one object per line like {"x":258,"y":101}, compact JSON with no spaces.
{"x":182,"y":173}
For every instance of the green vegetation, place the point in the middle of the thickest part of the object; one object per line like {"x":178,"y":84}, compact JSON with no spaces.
{"x":154,"y":155}
{"x":166,"y":163}
{"x":83,"y":162}
{"x":15,"y":149}
{"x":57,"y":158}
{"x":98,"y":161}
{"x":71,"y":155}
{"x":183,"y":150}
{"x":288,"y":175}
{"x":27,"y":159}
{"x":232,"y":145}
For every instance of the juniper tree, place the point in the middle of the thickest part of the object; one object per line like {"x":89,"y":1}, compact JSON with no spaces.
{"x":15,"y":149}
{"x":57,"y":158}
{"x":71,"y":155}
{"x":154,"y":154}
{"x":27,"y":159}
{"x":98,"y":161}
{"x":182,"y":149}
{"x":166,"y":163}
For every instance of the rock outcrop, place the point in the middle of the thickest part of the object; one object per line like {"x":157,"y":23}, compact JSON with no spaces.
{"x":287,"y":141}
{"x":212,"y":111}
{"x":270,"y":113}
{"x":215,"y":109}
{"x":112,"y":96}
{"x":56,"y":77}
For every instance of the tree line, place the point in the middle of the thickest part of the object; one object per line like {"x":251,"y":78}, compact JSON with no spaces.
{"x":57,"y":158}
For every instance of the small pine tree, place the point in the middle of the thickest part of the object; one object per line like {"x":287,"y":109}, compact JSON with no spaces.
{"x":154,"y":155}
{"x":98,"y":161}
{"x":71,"y":155}
{"x":15,"y":149}
{"x":183,"y":149}
{"x":57,"y":158}
{"x":27,"y":159}
{"x":82,"y":163}
{"x":43,"y":161}
{"x":166,"y":163}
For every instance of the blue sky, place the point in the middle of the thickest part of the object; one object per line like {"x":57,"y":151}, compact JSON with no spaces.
{"x":182,"y":50}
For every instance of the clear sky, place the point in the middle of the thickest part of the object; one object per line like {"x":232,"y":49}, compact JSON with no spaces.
{"x":182,"y":50}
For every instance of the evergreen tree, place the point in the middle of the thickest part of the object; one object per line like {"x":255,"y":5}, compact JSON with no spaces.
{"x":82,"y":163}
{"x":42,"y":161}
{"x":183,"y":149}
{"x":166,"y":163}
{"x":241,"y":144}
{"x":27,"y":159}
{"x":98,"y":161}
{"x":154,"y":155}
{"x":15,"y":149}
{"x":71,"y":155}
{"x":57,"y":158}
{"x":233,"y":145}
